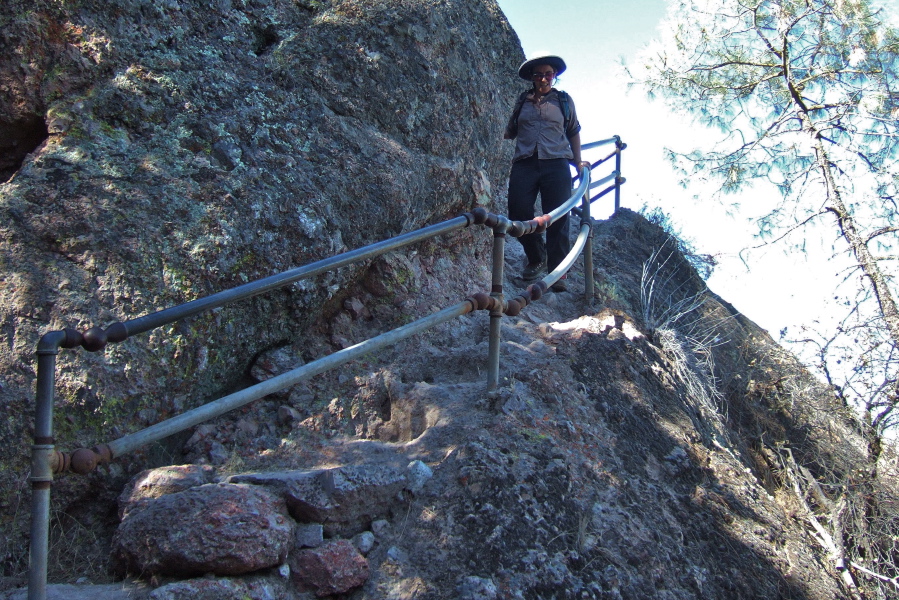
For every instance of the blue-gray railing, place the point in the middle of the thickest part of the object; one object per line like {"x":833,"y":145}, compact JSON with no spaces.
{"x":46,"y":460}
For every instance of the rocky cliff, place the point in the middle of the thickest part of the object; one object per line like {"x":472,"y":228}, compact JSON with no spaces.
{"x":155,"y":152}
{"x":638,"y":447}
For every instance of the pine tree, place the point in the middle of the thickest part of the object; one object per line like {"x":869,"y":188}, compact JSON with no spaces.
{"x":806,"y":95}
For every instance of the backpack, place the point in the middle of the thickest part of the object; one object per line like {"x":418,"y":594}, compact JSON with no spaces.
{"x":563,"y":102}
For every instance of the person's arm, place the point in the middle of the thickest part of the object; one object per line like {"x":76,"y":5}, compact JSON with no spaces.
{"x":575,"y":142}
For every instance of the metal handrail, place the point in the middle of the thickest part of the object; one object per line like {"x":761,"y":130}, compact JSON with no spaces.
{"x":228,"y":403}
{"x":619,"y":180}
{"x":46,"y":460}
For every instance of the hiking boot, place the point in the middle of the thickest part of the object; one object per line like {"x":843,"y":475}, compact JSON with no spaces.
{"x":533,"y":271}
{"x":560,"y":285}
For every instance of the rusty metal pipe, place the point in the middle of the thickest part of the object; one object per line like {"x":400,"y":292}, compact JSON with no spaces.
{"x":620,"y":146}
{"x":535,"y":291}
{"x":41,"y":468}
{"x":81,"y":461}
{"x":254,"y":288}
{"x":219,"y":407}
{"x":496,"y":292}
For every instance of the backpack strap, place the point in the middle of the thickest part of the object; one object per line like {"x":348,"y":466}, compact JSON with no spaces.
{"x":564,"y":101}
{"x":512,"y":126}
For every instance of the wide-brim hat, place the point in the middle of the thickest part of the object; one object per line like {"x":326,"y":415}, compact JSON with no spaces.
{"x":524,"y":71}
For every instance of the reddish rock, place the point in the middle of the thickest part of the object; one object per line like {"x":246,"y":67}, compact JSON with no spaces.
{"x":333,"y":568}
{"x":223,"y":529}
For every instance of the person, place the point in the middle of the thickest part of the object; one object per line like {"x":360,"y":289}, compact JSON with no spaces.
{"x":546,"y":143}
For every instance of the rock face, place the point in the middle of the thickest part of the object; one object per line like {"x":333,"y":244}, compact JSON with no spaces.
{"x":155,"y":152}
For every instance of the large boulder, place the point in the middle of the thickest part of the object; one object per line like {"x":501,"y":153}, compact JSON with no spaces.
{"x":157,"y":152}
{"x":222,"y":529}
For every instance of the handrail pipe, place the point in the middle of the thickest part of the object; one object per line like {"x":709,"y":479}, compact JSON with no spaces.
{"x":45,"y":460}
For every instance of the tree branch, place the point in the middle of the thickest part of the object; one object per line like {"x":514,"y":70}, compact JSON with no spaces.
{"x":880,"y":232}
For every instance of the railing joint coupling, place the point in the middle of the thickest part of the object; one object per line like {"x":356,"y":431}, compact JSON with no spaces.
{"x":502,"y":226}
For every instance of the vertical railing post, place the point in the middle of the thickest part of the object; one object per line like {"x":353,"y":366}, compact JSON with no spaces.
{"x":496,"y":292}
{"x":588,"y":246}
{"x":41,"y":469}
{"x":619,"y":146}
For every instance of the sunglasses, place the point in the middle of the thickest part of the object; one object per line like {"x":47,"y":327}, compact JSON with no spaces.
{"x":536,"y":76}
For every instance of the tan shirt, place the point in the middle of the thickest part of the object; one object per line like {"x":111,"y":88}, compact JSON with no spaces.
{"x":541,"y":129}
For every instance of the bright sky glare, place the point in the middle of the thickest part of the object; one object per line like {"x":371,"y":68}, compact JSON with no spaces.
{"x":777,"y":290}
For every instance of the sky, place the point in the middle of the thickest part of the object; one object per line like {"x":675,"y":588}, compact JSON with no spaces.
{"x":776,"y":289}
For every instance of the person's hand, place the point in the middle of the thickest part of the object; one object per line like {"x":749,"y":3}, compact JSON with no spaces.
{"x":583,"y":164}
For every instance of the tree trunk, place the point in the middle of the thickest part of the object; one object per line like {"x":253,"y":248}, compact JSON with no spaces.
{"x":869,"y":267}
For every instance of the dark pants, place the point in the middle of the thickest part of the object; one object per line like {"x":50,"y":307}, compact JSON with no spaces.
{"x":553,"y":180}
